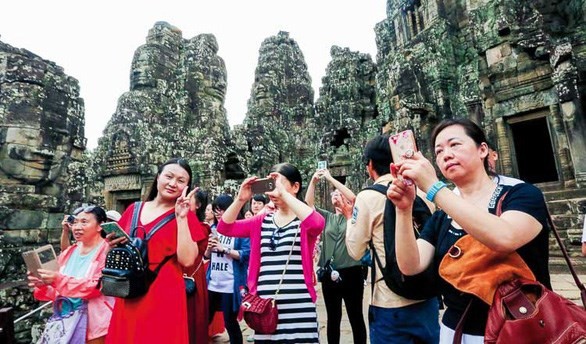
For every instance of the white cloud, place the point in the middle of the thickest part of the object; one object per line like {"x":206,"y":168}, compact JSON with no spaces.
{"x":95,"y":41}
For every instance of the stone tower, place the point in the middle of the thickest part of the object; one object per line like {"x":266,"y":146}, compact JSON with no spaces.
{"x":174,"y":108}
{"x":41,"y":147}
{"x":346,"y":112}
{"x":279,"y":125}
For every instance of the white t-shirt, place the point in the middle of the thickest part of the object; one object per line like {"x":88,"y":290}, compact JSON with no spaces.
{"x":221,"y":268}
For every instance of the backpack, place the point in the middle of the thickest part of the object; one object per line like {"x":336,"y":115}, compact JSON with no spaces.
{"x":417,"y":287}
{"x":126,"y":273}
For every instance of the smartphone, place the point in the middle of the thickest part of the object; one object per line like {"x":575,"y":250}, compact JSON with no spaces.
{"x":114,"y":227}
{"x":263,"y":185}
{"x":402,"y":145}
{"x":41,"y":258}
{"x":322,"y":165}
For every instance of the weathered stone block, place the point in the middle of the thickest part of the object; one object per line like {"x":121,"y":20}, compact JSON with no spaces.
{"x":23,"y":219}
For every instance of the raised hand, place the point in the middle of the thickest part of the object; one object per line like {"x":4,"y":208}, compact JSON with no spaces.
{"x":182,"y":204}
{"x":400,"y":193}
{"x":245,"y":192}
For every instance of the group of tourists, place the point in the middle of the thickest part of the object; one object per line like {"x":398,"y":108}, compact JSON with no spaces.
{"x":266,"y":245}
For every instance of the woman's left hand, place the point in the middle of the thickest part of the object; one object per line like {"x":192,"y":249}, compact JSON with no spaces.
{"x":418,"y":169}
{"x":47,"y":276}
{"x":182,"y":204}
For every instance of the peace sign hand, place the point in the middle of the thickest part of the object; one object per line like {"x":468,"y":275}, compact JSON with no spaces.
{"x":182,"y":203}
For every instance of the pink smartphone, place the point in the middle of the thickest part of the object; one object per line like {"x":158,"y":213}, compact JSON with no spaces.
{"x":403,"y":145}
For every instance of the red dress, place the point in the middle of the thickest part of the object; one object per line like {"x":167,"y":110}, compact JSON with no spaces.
{"x":160,"y":316}
{"x":197,"y":304}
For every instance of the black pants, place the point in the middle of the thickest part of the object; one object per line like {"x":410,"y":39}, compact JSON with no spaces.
{"x":224,"y":302}
{"x":351,"y":290}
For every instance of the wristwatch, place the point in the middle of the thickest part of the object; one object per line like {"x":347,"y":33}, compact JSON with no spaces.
{"x":227,"y":250}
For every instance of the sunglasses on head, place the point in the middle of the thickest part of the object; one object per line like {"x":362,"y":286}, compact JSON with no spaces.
{"x":86,"y":209}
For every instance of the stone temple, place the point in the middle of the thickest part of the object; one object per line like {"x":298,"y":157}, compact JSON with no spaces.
{"x":518,"y":68}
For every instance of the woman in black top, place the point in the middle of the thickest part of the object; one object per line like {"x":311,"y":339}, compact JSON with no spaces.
{"x":461,"y":155}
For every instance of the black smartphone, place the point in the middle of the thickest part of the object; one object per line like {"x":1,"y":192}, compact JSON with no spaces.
{"x":263,"y":185}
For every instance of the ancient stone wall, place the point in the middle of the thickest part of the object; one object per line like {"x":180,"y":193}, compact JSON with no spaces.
{"x":512,"y":66}
{"x":41,"y":146}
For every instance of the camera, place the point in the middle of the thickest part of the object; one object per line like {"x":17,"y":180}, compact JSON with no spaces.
{"x":327,"y":272}
{"x":70,"y":219}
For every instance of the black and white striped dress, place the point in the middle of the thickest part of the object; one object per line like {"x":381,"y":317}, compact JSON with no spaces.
{"x":297,"y":312}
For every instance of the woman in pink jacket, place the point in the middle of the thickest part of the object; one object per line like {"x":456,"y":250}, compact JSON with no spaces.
{"x":80,"y":269}
{"x":292,"y":225}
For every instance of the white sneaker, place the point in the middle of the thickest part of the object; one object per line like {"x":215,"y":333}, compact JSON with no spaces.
{"x":250,"y":338}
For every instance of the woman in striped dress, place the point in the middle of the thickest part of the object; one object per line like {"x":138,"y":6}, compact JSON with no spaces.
{"x":292,"y":225}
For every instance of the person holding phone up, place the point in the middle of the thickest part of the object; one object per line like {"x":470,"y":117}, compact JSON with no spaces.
{"x":461,"y":154}
{"x":287,"y":235}
{"x":341,"y":276}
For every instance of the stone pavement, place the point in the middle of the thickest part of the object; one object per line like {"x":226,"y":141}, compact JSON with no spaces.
{"x":562,"y":283}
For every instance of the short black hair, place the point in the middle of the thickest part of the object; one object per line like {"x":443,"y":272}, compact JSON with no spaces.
{"x":99,"y":212}
{"x":378,"y":151}
{"x":260,"y":198}
{"x":222,"y":202}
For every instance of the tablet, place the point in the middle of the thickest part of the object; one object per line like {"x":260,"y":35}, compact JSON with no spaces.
{"x":40,"y":258}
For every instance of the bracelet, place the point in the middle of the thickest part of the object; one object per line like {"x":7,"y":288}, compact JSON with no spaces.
{"x":433,"y":190}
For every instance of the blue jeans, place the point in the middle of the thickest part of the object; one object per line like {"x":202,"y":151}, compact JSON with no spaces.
{"x":417,"y":323}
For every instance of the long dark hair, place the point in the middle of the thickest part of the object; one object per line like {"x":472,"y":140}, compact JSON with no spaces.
{"x":290,"y":172}
{"x":201,"y":198}
{"x":470,"y":128}
{"x":179,"y":161}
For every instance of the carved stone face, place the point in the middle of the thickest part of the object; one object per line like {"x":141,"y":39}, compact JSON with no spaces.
{"x":35,"y":133}
{"x":143,"y":71}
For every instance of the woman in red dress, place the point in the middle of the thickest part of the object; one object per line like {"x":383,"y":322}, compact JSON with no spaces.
{"x":160,"y":316}
{"x":197,"y":303}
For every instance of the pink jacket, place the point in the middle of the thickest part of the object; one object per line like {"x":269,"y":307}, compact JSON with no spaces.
{"x":99,"y":306}
{"x":311,"y":227}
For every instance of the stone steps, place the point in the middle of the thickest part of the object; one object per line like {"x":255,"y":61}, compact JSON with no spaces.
{"x":567,"y":208}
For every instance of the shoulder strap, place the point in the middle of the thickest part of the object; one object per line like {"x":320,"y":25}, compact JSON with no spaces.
{"x":378,"y":187}
{"x":287,"y":264}
{"x":160,"y":225}
{"x":579,"y":284}
{"x":135,"y":218}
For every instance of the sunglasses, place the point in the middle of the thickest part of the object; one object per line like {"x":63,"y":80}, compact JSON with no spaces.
{"x":86,"y":209}
{"x":274,"y":240}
